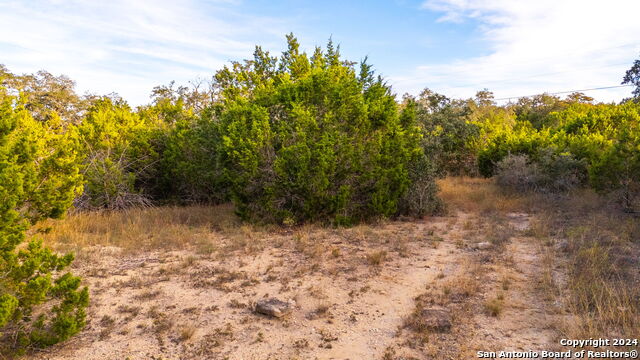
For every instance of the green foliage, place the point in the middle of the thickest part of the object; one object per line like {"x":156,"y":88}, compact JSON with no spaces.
{"x":618,"y":167}
{"x":536,"y":110}
{"x":551,"y":173}
{"x":44,"y":94}
{"x":521,"y":139}
{"x":121,"y":148}
{"x":598,"y":140}
{"x":308,"y":138}
{"x":632,"y":77}
{"x":422,"y":197}
{"x":449,"y":136}
{"x":289,"y":138}
{"x":191,"y":165}
{"x":39,"y":178}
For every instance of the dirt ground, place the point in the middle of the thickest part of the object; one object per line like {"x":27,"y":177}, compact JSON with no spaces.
{"x":356,"y":293}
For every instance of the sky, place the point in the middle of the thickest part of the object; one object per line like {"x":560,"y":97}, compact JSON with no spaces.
{"x":455,"y":47}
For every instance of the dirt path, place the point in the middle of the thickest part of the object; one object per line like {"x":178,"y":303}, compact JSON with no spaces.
{"x":494,"y":295}
{"x":388,"y":303}
{"x":525,"y":322}
{"x":351,"y":299}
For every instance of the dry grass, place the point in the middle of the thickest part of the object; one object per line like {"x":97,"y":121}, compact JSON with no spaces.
{"x":186,"y":332}
{"x":376,"y":258}
{"x":595,"y":240}
{"x":140,"y":229}
{"x":464,"y":284}
{"x":596,"y":245}
{"x":603,"y":278}
{"x":108,"y":324}
{"x":476,"y":195}
{"x":494,"y":306}
{"x":600,"y":286}
{"x":583,"y":236}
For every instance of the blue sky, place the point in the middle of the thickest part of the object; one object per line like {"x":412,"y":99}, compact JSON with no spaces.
{"x":456,"y":47}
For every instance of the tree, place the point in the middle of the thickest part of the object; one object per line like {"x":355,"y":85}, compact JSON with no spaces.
{"x":617,"y":167}
{"x":121,"y":155}
{"x":448,"y":135}
{"x":196,"y":97}
{"x":44,"y":95}
{"x":309,"y":138}
{"x":632,"y":77}
{"x":191,"y":163}
{"x":39,"y":178}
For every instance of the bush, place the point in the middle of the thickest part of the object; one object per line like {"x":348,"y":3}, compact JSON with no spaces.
{"x":552,"y":173}
{"x":515,"y":172}
{"x":122,"y":156}
{"x":448,"y":136}
{"x":192,"y":164}
{"x":598,"y":140}
{"x":306,"y":138}
{"x":618,"y":168}
{"x":522,"y":139}
{"x":110,"y":184}
{"x":422,"y":197}
{"x":562,"y":172}
{"x":39,"y":178}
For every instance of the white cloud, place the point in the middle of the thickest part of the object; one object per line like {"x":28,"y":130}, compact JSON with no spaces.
{"x":129,"y":47}
{"x":125,"y":46}
{"x":536,"y":46}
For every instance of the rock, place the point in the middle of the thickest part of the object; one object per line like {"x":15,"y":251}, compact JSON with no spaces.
{"x":273,"y":307}
{"x":482,"y":245}
{"x":437,"y":320}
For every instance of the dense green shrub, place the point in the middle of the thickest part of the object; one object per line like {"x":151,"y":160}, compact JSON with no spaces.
{"x":618,"y":167}
{"x":192,"y":165}
{"x":121,"y":156}
{"x":309,"y":138}
{"x":39,"y":178}
{"x":522,"y":139}
{"x":562,"y":172}
{"x":448,"y":135}
{"x":583,"y":141}
{"x":422,"y":197}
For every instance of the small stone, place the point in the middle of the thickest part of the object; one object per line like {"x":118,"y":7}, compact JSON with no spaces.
{"x":273,"y":307}
{"x":482,"y":245}
{"x":438,"y":320}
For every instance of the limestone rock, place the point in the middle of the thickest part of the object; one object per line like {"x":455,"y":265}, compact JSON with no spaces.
{"x":482,"y":245}
{"x":273,"y":307}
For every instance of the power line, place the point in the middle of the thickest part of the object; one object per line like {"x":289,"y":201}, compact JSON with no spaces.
{"x":555,"y":57}
{"x":514,"y":80}
{"x":566,"y":92}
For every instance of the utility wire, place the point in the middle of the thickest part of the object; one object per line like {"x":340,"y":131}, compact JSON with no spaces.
{"x":520,"y":79}
{"x":636,"y":45}
{"x":565,"y":92}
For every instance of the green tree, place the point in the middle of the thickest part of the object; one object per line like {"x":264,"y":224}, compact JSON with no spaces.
{"x":618,"y":166}
{"x":309,"y":138}
{"x":190,"y":169}
{"x":39,"y":178}
{"x":121,"y":155}
{"x":632,"y":77}
{"x":449,"y":137}
{"x":44,"y":95}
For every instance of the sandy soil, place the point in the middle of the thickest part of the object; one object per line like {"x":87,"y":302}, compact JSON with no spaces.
{"x":354,"y":294}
